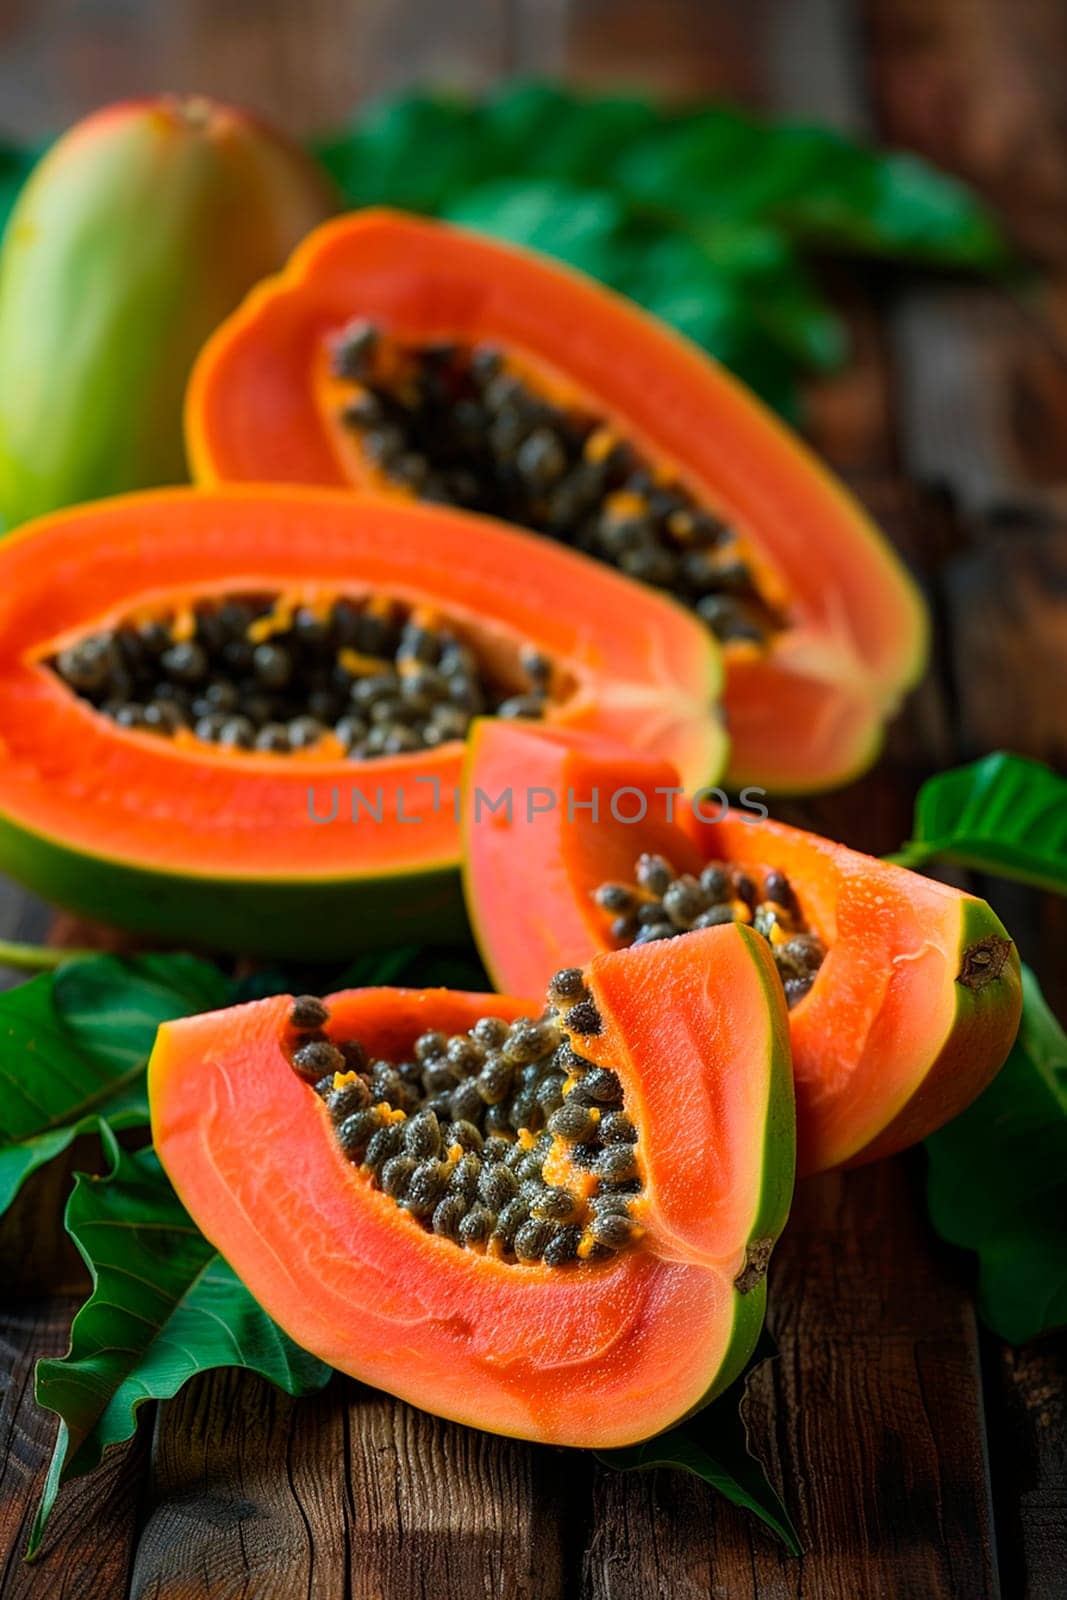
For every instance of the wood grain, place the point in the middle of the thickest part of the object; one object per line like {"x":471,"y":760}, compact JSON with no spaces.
{"x":349,"y":1493}
{"x":977,"y":85}
{"x":1027,"y":1411}
{"x":436,"y":1509}
{"x":951,"y":425}
{"x":246,"y":1494}
{"x":90,"y":1539}
{"x":306,"y":65}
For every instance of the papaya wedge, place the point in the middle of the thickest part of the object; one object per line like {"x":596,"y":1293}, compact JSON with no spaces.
{"x":914,"y":1002}
{"x":534,"y":1328}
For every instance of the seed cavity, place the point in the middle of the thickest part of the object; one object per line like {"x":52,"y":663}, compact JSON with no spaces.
{"x":452,"y":423}
{"x":660,"y":904}
{"x":360,"y":678}
{"x":542,"y":1154}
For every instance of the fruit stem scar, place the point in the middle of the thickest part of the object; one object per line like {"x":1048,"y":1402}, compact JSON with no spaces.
{"x":984,"y":961}
{"x":757,"y":1259}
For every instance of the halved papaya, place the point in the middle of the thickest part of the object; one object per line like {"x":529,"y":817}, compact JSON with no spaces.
{"x":577,"y":1255}
{"x":904,"y":993}
{"x":417,"y":359}
{"x":237,"y":719}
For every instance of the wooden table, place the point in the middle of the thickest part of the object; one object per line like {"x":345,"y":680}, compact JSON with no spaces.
{"x":921,"y":1457}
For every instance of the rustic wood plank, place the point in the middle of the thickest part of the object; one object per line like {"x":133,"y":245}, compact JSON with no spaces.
{"x":877,"y":1397}
{"x":977,"y":85}
{"x":374,"y":1499}
{"x":89,"y":1543}
{"x":1028,"y":1440}
{"x":246,"y":1492}
{"x":307,"y":65}
{"x":680,"y":49}
{"x":1008,"y":603}
{"x":24,"y":919}
{"x":36,"y":1255}
{"x":436,"y":1509}
{"x":907,"y":1373}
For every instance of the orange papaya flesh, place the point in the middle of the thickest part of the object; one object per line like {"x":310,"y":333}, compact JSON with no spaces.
{"x":911,"y":1012}
{"x":214,"y":846}
{"x":842,"y":633}
{"x":598,"y":1352}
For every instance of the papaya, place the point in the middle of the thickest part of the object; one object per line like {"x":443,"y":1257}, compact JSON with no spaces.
{"x":554,"y":1225}
{"x":236,"y":720}
{"x":133,"y":238}
{"x":904,"y":994}
{"x":419,"y":360}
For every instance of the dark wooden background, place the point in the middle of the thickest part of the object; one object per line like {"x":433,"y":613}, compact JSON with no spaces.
{"x":921,"y":1457}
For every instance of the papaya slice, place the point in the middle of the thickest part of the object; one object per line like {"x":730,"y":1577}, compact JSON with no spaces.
{"x":242,"y":822}
{"x":414,"y":358}
{"x":379,"y":1237}
{"x":904,"y":993}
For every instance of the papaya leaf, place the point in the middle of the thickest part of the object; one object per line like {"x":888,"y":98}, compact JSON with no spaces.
{"x":543,"y":131}
{"x":1004,"y":815}
{"x":997,"y":1181}
{"x":73,"y":1045}
{"x":164,"y":1306}
{"x":113,"y":1006}
{"x":417,"y":151}
{"x":827,"y":192}
{"x":584,"y":227}
{"x":713,"y":1445}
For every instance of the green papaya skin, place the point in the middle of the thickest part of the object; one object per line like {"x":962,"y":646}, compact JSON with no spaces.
{"x":134,"y":237}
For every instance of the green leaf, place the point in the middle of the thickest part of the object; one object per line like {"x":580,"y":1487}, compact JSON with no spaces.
{"x":73,"y":1045}
{"x":997,"y":1180}
{"x":114,"y":1006}
{"x":825,"y":191}
{"x":1004,"y":814}
{"x":164,"y":1306}
{"x":52,"y":1089}
{"x":713,"y":1445}
{"x":417,"y":151}
{"x":543,"y":131}
{"x":584,"y":227}
{"x":895,"y":206}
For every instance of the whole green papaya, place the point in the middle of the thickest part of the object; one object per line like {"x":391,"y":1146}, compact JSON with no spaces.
{"x":134,"y":237}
